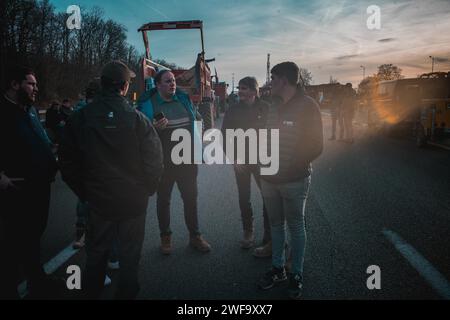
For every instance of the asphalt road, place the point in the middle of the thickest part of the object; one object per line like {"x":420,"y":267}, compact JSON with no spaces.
{"x":357,"y":191}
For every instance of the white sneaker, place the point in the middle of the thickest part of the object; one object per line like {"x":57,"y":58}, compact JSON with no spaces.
{"x":113,"y":265}
{"x":107,"y":281}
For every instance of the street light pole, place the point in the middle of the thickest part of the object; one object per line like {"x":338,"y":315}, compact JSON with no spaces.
{"x":364,"y":71}
{"x":232,"y":83}
{"x":432,"y":64}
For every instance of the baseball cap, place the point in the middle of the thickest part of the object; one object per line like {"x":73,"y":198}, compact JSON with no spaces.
{"x":117,"y":72}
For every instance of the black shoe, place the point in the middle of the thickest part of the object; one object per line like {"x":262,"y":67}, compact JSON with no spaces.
{"x":332,"y":138}
{"x":295,"y":287}
{"x":273,"y":276}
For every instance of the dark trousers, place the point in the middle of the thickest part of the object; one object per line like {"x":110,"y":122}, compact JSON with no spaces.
{"x":24,"y":215}
{"x":185,"y":176}
{"x":100,"y":235}
{"x":243,"y":175}
{"x":336,"y":116}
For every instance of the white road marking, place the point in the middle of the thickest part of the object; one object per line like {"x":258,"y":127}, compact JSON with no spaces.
{"x":51,"y":266}
{"x":422,"y":265}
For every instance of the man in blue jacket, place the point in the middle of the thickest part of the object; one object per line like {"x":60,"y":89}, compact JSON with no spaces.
{"x":172,"y":109}
{"x":27,"y":169}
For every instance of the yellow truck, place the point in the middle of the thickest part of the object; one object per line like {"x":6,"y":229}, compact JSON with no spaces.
{"x":417,"y":106}
{"x":434,"y":123}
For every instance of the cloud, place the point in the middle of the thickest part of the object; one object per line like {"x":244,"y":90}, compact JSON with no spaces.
{"x":437,"y":59}
{"x":347,"y":57}
{"x":326,"y":37}
{"x":162,"y":14}
{"x":387,"y":40}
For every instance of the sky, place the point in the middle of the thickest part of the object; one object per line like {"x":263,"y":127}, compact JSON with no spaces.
{"x":329,"y":38}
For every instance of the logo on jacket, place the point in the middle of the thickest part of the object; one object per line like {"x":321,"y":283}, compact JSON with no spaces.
{"x":288,"y":123}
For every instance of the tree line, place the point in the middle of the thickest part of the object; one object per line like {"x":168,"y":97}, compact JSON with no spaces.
{"x":33,"y":34}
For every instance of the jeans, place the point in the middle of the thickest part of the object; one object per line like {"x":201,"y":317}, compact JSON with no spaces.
{"x":285,"y":204}
{"x":243,"y":175}
{"x":186,"y":178}
{"x":100,"y":236}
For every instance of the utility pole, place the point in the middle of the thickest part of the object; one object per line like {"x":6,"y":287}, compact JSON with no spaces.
{"x":364,"y":72}
{"x":232,"y":83}
{"x":432,"y":64}
{"x":268,"y":69}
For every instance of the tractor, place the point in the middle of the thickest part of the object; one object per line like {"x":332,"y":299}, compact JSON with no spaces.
{"x":195,"y":81}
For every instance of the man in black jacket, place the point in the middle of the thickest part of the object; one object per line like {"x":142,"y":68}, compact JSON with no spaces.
{"x":298,"y":119}
{"x":54,"y":122}
{"x":27,"y":169}
{"x":111,"y":157}
{"x":249,"y":113}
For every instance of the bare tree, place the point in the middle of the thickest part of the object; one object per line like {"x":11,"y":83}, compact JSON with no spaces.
{"x":32,"y":33}
{"x":389,"y":72}
{"x":306,"y":76}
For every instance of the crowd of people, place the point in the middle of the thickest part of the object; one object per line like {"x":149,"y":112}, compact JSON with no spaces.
{"x":114,"y":156}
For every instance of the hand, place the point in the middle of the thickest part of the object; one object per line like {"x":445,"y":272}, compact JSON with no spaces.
{"x":161,"y":124}
{"x":5,"y":182}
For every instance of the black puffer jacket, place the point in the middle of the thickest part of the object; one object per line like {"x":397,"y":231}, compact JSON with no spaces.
{"x":244,"y":116}
{"x":111,"y":156}
{"x":300,"y":137}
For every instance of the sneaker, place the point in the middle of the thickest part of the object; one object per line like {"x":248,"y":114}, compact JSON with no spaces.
{"x":332,"y":138}
{"x":166,"y":244}
{"x":200,"y":244}
{"x":107,"y":281}
{"x":248,"y":241}
{"x":264,"y":251}
{"x":273,"y":276}
{"x":113,"y":265}
{"x":295,"y":287}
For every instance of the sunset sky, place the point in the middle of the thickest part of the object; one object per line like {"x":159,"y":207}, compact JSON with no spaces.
{"x":326,"y":37}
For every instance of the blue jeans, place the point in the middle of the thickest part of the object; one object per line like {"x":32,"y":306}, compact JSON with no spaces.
{"x":285,"y":204}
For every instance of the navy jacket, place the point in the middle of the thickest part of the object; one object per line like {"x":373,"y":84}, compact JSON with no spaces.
{"x":299,"y":123}
{"x":25,"y":146}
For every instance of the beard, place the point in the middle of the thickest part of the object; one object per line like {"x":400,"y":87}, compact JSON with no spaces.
{"x":24,"y":98}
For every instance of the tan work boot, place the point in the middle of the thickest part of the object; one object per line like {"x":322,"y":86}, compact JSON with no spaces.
{"x":248,"y":241}
{"x":264,"y":251}
{"x":200,"y":244}
{"x":166,"y":244}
